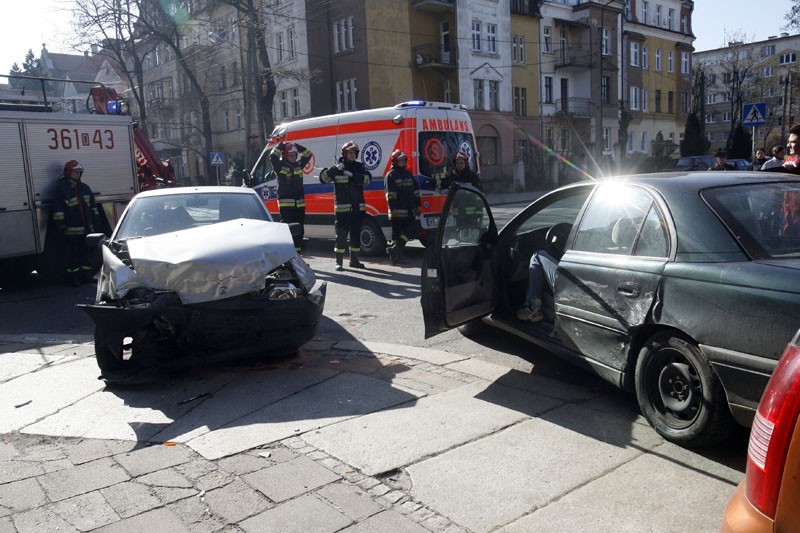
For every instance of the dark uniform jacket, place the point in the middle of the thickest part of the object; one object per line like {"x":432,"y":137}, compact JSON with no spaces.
{"x":290,"y":176}
{"x":348,"y":190}
{"x":74,"y":209}
{"x":466,"y":176}
{"x":402,"y":193}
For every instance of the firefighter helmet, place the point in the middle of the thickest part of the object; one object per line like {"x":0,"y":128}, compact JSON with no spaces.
{"x":289,"y":148}
{"x":397,"y":154}
{"x":349,"y":145}
{"x":461,"y":155}
{"x":71,"y":166}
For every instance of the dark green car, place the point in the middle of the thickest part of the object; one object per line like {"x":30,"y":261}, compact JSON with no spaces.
{"x":683,"y":288}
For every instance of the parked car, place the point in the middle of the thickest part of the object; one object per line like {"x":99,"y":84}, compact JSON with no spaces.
{"x":766,"y":499}
{"x":679,"y":287}
{"x":200,"y":272}
{"x":695,"y":162}
{"x":740,"y":164}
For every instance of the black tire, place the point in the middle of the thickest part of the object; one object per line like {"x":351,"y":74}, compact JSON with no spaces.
{"x":473,"y":328}
{"x":108,"y":351}
{"x":373,"y":243}
{"x":679,"y":393}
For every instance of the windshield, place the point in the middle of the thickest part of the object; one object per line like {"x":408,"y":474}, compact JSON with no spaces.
{"x":154,"y":215}
{"x":765,"y":217}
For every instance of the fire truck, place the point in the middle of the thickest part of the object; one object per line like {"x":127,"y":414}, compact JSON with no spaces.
{"x":36,"y":138}
{"x":430,"y":133}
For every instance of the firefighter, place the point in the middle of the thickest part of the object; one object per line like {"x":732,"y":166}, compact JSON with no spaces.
{"x":468,"y":209}
{"x":75,"y":215}
{"x":349,"y":177}
{"x":288,"y":160}
{"x":402,"y":196}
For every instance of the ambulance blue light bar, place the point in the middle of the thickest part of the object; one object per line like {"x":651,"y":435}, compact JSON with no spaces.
{"x":413,"y":103}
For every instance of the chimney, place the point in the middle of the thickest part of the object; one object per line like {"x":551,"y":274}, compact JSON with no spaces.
{"x":784,"y":34}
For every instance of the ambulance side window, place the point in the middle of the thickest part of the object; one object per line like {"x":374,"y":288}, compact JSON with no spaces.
{"x":436,"y":151}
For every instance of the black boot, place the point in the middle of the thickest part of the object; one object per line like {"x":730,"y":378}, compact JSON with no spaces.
{"x":339,"y":262}
{"x":395,"y":253}
{"x":354,"y":262}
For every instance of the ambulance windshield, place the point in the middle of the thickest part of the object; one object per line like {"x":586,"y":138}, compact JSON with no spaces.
{"x":262,"y":171}
{"x":437,"y":148}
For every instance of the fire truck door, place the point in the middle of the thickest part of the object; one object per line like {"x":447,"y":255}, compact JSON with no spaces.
{"x":16,"y":210}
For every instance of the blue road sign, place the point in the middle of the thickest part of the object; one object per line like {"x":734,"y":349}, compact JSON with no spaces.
{"x":754,"y":114}
{"x":217,"y":159}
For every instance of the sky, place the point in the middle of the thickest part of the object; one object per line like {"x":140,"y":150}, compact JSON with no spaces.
{"x":29,"y":23}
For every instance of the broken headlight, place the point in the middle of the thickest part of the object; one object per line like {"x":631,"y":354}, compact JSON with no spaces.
{"x":282,"y":284}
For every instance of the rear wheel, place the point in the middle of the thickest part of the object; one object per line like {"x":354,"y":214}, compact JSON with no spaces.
{"x":372,"y":240}
{"x":679,"y":393}
{"x":473,"y":328}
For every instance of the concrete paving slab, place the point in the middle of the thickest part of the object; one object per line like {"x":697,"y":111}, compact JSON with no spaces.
{"x":21,"y":495}
{"x":342,"y":397}
{"x":288,"y":480}
{"x":65,"y":384}
{"x":6,"y":525}
{"x":306,"y":514}
{"x":11,"y":471}
{"x":428,"y":383}
{"x":391,"y":439}
{"x":245,"y":396}
{"x":85,"y":450}
{"x":42,"y":519}
{"x":437,"y":357}
{"x":386,"y":521}
{"x":168,"y":477}
{"x":130,"y":498}
{"x":82,"y":479}
{"x":156,"y":520}
{"x":498,"y":479}
{"x":130,"y":413}
{"x":86,"y":512}
{"x":15,"y":364}
{"x":236,"y":501}
{"x":349,"y":499}
{"x":153,"y":458}
{"x":633,"y":499}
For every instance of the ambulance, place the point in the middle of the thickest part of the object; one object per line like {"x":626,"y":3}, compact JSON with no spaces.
{"x":430,"y":133}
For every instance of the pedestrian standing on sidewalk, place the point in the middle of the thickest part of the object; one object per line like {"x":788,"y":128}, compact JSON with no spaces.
{"x":75,"y":215}
{"x":291,"y":195}
{"x":349,"y":177}
{"x":402,"y":196}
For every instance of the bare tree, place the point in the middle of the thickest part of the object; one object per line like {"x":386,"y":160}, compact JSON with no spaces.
{"x":738,"y":64}
{"x":793,"y":16}
{"x":113,"y":23}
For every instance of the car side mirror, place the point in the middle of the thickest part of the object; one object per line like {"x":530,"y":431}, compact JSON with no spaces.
{"x":95,"y":240}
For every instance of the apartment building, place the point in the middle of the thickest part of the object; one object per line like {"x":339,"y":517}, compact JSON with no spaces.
{"x":742,"y":73}
{"x":658,"y":73}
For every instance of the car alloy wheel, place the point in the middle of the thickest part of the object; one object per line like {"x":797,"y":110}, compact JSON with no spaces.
{"x":679,"y":393}
{"x":372,"y":240}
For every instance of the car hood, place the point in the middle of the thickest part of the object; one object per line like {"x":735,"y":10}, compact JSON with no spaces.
{"x":201,"y":264}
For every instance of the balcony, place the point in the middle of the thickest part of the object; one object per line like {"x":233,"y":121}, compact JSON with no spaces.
{"x":435,"y":6}
{"x":432,"y":56}
{"x":573,"y":57}
{"x":161,"y":104}
{"x":574,"y":107}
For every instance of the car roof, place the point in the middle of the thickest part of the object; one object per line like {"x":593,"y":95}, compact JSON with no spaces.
{"x":212,"y":189}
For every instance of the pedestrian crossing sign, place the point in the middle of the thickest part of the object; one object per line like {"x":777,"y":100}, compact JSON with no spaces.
{"x":754,"y":114}
{"x":217,"y":159}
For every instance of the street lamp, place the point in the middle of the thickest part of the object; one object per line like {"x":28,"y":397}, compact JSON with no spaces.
{"x":598,"y":132}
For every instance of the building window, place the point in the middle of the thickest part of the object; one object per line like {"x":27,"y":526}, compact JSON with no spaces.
{"x":685,"y":102}
{"x":518,"y":49}
{"x":643,"y":145}
{"x":279,"y":47}
{"x":606,"y":139}
{"x":491,"y":38}
{"x":788,"y":58}
{"x":635,"y":93}
{"x":671,"y":62}
{"x":635,"y":54}
{"x":684,"y":62}
{"x":605,"y":94}
{"x":670,"y":102}
{"x":238,"y":118}
{"x":645,"y":59}
{"x":767,"y":72}
{"x":477,"y":93}
{"x":523,"y":101}
{"x":658,"y":100}
{"x":671,"y":20}
{"x":658,"y":58}
{"x":227,"y":116}
{"x":343,"y":35}
{"x":476,"y":36}
{"x":685,"y":24}
{"x":645,"y":100}
{"x":658,"y":15}
{"x":548,"y":89}
{"x":295,"y":102}
{"x":222,"y":81}
{"x":726,"y":116}
{"x":606,"y":42}
{"x":768,"y":50}
{"x":235,"y":72}
{"x":487,"y":147}
{"x":346,"y":95}
{"x":548,"y":138}
{"x":284,"y":104}
{"x":447,"y":91}
{"x":710,"y":118}
{"x":521,"y":49}
{"x":711,"y":98}
{"x":494,"y":96}
{"x":726,"y":97}
{"x":548,"y":40}
{"x":645,"y":9}
{"x":290,"y":42}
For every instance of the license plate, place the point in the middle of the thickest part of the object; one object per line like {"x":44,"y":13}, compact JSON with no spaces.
{"x":430,"y":222}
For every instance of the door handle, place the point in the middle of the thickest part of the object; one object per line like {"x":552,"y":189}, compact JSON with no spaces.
{"x":629,"y":289}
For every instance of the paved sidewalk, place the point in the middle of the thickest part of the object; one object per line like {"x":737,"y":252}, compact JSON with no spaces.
{"x":347,"y":436}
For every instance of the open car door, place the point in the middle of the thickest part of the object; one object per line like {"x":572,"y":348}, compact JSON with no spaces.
{"x":458,"y":278}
